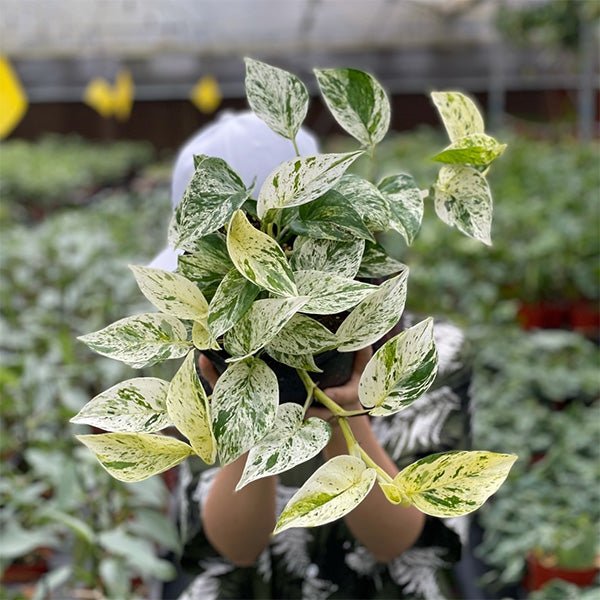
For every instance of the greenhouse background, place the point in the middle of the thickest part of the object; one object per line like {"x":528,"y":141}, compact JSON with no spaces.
{"x":96,"y":96}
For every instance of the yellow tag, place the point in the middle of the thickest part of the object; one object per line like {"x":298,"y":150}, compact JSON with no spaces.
{"x":13,"y":101}
{"x":206,"y":95}
{"x":109,"y":100}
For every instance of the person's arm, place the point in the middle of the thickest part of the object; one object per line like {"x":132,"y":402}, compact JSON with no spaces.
{"x":385,"y":529}
{"x":238,"y":524}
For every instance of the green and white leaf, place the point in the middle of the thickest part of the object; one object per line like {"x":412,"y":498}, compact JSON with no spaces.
{"x":277,"y":97}
{"x":406,"y":204}
{"x":303,"y":335}
{"x":233,"y":298}
{"x":189,"y":410}
{"x":136,"y":405}
{"x":459,"y":113}
{"x":260,"y":324}
{"x":244,"y":405}
{"x":141,"y":340}
{"x":374,"y":316}
{"x":136,"y":456}
{"x":330,"y":217}
{"x":333,"y":490}
{"x":477,"y":149}
{"x":296,"y":361}
{"x":202,"y":337}
{"x":171,"y":293}
{"x":392,"y":492}
{"x":400,"y":372}
{"x":342,"y":258}
{"x":463,"y":200}
{"x":258,"y":257}
{"x":366,"y":200}
{"x":454,"y":483}
{"x":329,"y":293}
{"x":376,"y":263}
{"x":291,"y":442}
{"x":302,"y":180}
{"x":357,"y":101}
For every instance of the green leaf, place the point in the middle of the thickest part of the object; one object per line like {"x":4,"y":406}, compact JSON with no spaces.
{"x":302,"y":180}
{"x":329,"y":293}
{"x":189,"y":410}
{"x":135,"y":405}
{"x":477,"y":149}
{"x":291,"y":442}
{"x":303,"y":335}
{"x":342,"y":258}
{"x":357,"y":101}
{"x":405,"y":203}
{"x":260,"y":324}
{"x":374,"y":316}
{"x":136,"y":456}
{"x":366,"y":200}
{"x":76,"y":525}
{"x":277,"y":97}
{"x":244,"y":405}
{"x":233,"y":298}
{"x":202,"y":337}
{"x":213,"y":195}
{"x":460,"y":115}
{"x":333,"y":490}
{"x":454,"y":483}
{"x":399,"y":372}
{"x":463,"y":200}
{"x":153,"y":525}
{"x":171,"y":293}
{"x":258,"y":257}
{"x":330,"y":217}
{"x":376,"y":263}
{"x":16,"y":541}
{"x":296,"y":361}
{"x":141,"y":340}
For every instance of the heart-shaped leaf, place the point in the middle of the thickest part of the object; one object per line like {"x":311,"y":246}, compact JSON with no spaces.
{"x":405,"y":203}
{"x":136,"y":456}
{"x":202,"y":337}
{"x":303,"y":335}
{"x":244,"y":405}
{"x":189,"y":410}
{"x":342,"y":258}
{"x":296,"y":361}
{"x":460,"y":115}
{"x":135,"y":405}
{"x":400,"y":371}
{"x":291,"y":442}
{"x":477,"y":149}
{"x":333,"y":490}
{"x":376,"y":263}
{"x":366,"y":200}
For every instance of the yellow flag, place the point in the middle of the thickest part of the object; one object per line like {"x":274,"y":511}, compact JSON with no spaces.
{"x":206,"y":95}
{"x":111,"y":100}
{"x":13,"y":101}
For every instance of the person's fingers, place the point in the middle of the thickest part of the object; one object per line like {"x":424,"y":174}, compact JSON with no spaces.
{"x":361,"y":358}
{"x":348,"y":393}
{"x":208,"y":370}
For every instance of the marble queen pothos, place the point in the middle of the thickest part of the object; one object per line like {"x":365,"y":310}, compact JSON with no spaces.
{"x":301,"y":248}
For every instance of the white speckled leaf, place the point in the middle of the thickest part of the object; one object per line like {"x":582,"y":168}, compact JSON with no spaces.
{"x":333,"y":490}
{"x":233,"y":298}
{"x":277,"y":97}
{"x":376,"y":263}
{"x":342,"y":258}
{"x":141,"y":340}
{"x":189,"y":410}
{"x":366,"y":200}
{"x":454,"y":483}
{"x":136,"y":405}
{"x":406,"y":204}
{"x":134,"y":457}
{"x":212,"y":196}
{"x":202,"y":338}
{"x":302,"y":180}
{"x":392,"y":492}
{"x":463,"y":200}
{"x":303,"y":335}
{"x":400,"y":371}
{"x":459,"y":114}
{"x":244,"y":405}
{"x":357,"y":101}
{"x":260,"y":324}
{"x":258,"y":257}
{"x":374,"y":316}
{"x":171,"y":293}
{"x":296,"y":361}
{"x":477,"y":149}
{"x":329,"y":293}
{"x":291,"y":442}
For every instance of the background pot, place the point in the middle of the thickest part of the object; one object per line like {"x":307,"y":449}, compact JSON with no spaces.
{"x":539,"y":573}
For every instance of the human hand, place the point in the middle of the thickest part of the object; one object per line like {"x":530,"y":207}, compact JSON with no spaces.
{"x":207,"y":370}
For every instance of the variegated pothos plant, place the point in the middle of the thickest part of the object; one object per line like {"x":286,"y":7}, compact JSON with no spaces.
{"x":254,"y":278}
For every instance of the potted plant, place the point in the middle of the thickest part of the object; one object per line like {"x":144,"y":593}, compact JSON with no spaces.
{"x":267,"y":271}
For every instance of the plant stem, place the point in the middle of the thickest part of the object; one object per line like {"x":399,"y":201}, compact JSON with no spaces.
{"x":295,"y":146}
